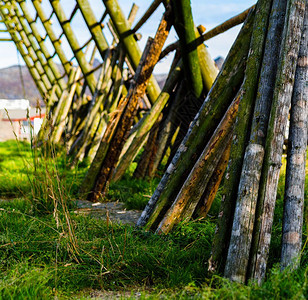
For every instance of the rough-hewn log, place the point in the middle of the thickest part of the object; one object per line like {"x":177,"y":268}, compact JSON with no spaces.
{"x":275,"y":136}
{"x":295,"y":174}
{"x":136,"y":91}
{"x":267,"y":84}
{"x":91,"y":176}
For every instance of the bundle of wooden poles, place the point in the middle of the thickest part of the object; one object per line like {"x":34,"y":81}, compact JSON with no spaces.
{"x":241,"y":126}
{"x":210,"y":126}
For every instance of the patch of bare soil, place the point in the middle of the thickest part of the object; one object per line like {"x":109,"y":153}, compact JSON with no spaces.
{"x":113,"y":212}
{"x":98,"y":295}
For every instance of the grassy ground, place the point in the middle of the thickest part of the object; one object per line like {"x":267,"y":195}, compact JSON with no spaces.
{"x":70,"y":256}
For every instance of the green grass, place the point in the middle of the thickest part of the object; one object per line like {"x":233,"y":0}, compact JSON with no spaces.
{"x":24,"y":172}
{"x":35,"y":261}
{"x":38,"y":259}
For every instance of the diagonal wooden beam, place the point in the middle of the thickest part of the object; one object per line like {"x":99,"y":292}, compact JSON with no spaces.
{"x":94,"y":27}
{"x":32,"y":69}
{"x":72,"y":39}
{"x":33,"y":46}
{"x":126,"y":36}
{"x":25,"y":19}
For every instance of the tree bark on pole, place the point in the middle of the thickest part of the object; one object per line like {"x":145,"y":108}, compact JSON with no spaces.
{"x":275,"y":136}
{"x":296,"y":160}
{"x":247,"y":192}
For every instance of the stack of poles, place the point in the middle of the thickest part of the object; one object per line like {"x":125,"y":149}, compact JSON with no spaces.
{"x":242,"y":123}
{"x":80,"y":121}
{"x":120,"y":145}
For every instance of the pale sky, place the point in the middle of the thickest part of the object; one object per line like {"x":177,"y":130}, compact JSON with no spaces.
{"x":205,"y":12}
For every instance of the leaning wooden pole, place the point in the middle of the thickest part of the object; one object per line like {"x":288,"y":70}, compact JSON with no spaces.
{"x":31,"y":67}
{"x":72,"y":39}
{"x":136,"y":91}
{"x":26,"y":19}
{"x":147,"y":123}
{"x":241,"y":234}
{"x":196,"y":182}
{"x":275,"y":136}
{"x":184,"y":26}
{"x":133,"y":51}
{"x":241,"y":137}
{"x":296,"y":162}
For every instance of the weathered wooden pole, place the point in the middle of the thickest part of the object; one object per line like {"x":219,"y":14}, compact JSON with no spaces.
{"x":211,"y":190}
{"x":149,"y":151}
{"x":26,"y":16}
{"x":196,"y":182}
{"x":275,"y":136}
{"x":133,"y":51}
{"x":167,"y":128}
{"x":241,"y":234}
{"x":71,"y":37}
{"x":185,"y":29}
{"x":94,"y":27}
{"x":137,"y":90}
{"x":31,"y":67}
{"x":296,"y":160}
{"x":33,"y":48}
{"x":147,"y":123}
